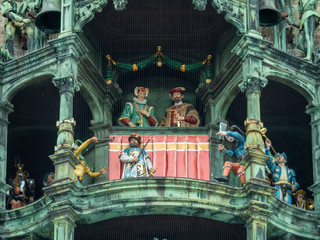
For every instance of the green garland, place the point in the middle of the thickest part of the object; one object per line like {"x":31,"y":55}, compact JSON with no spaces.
{"x":159,"y":59}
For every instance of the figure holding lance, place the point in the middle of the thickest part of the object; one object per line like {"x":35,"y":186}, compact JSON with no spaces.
{"x":136,"y":161}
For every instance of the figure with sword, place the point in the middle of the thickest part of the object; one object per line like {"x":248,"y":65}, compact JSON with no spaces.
{"x":237,"y":137}
{"x":136,"y":161}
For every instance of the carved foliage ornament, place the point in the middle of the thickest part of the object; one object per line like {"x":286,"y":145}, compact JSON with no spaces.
{"x":253,"y":84}
{"x":67,"y":84}
{"x":234,"y":10}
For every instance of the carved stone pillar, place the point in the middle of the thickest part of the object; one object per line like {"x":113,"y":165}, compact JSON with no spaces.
{"x":253,"y":21}
{"x":257,"y":219}
{"x":4,"y":112}
{"x":213,"y":119}
{"x":257,"y":213}
{"x":315,"y":133}
{"x":102,"y":131}
{"x":69,"y":49}
{"x":252,"y":85}
{"x":67,"y":17}
{"x":64,"y":218}
{"x":66,"y":123}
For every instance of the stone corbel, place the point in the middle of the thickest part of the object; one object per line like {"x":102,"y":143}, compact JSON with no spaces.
{"x":234,"y":12}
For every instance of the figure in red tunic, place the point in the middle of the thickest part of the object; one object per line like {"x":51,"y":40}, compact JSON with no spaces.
{"x":180,"y":114}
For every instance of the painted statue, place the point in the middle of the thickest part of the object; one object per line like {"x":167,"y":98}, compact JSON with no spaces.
{"x":136,"y":160}
{"x":309,"y":21}
{"x":300,"y":197}
{"x":83,"y":168}
{"x":284,"y":177}
{"x":138,"y":113}
{"x":19,"y":14}
{"x":180,"y":114}
{"x":22,"y":192}
{"x":5,"y":56}
{"x":237,"y":137}
{"x":48,"y":179}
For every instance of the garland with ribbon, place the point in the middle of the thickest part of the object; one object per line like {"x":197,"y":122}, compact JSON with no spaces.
{"x":159,"y":59}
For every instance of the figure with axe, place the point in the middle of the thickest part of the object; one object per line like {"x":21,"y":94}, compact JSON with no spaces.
{"x":136,"y":160}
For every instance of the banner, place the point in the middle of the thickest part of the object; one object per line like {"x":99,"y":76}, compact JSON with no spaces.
{"x":185,"y":156}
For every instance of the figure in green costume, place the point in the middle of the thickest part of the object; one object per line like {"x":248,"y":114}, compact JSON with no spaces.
{"x":309,"y":21}
{"x":138,"y":113}
{"x":19,"y":13}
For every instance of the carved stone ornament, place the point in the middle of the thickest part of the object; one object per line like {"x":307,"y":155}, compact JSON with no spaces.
{"x":2,"y":151}
{"x":253,"y":84}
{"x":67,"y":84}
{"x":234,"y":12}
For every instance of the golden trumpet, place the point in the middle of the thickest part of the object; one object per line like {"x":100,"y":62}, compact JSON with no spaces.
{"x":309,"y":204}
{"x":263,"y":132}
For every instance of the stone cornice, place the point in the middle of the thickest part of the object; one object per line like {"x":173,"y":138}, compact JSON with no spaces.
{"x":181,"y":196}
{"x":274,"y":59}
{"x":71,"y":41}
{"x":18,"y":222}
{"x":36,"y":61}
{"x":305,"y":223}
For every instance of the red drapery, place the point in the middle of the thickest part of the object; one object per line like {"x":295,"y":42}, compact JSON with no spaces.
{"x":185,"y":156}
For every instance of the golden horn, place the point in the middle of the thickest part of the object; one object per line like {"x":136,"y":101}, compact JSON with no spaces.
{"x":263,"y":132}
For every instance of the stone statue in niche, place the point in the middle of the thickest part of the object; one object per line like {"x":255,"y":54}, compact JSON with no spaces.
{"x":308,"y":23}
{"x":20,"y":15}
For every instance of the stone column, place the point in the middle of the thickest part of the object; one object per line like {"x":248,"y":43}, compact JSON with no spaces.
{"x":315,"y":133}
{"x":69,"y":49}
{"x":5,"y":109}
{"x":257,"y":213}
{"x":102,"y":131}
{"x":256,"y":222}
{"x":253,"y":22}
{"x":252,"y":85}
{"x":64,"y":218}
{"x":213,"y":119}
{"x":67,"y":17}
{"x":67,"y":87}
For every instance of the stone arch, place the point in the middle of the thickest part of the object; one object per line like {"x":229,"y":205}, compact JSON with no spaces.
{"x":10,"y":90}
{"x":308,"y":91}
{"x":229,"y":95}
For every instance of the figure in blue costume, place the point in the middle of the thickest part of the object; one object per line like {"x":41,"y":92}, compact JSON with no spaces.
{"x":136,"y":164}
{"x":284,"y":177}
{"x":138,"y":113}
{"x":237,"y":138}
